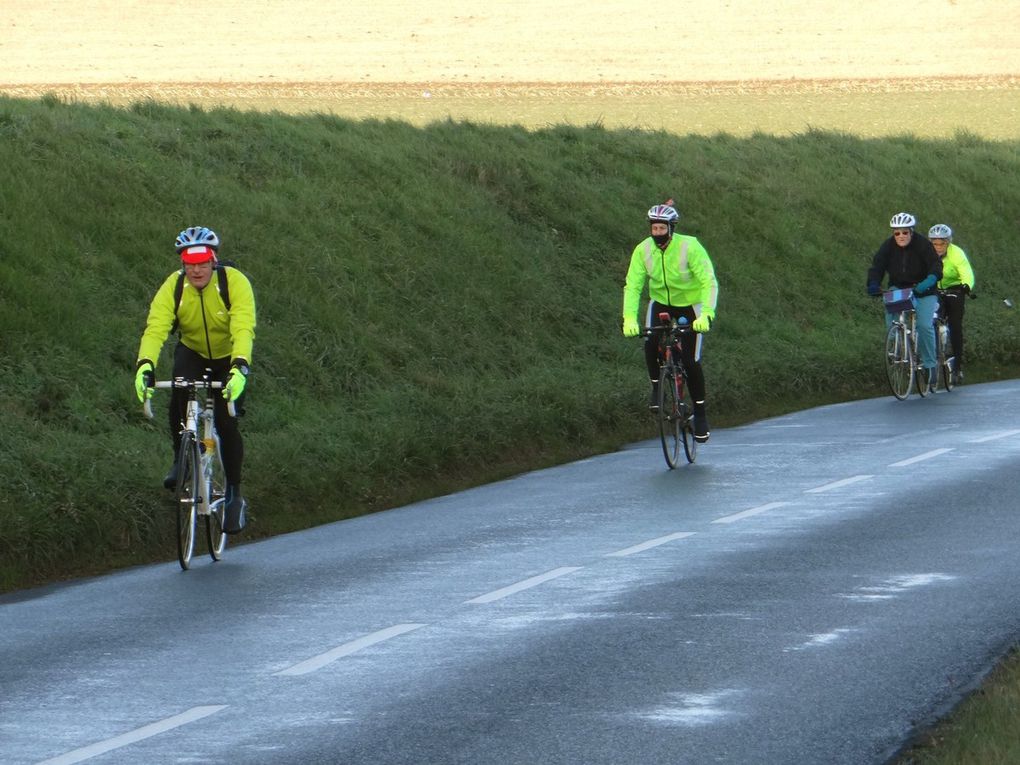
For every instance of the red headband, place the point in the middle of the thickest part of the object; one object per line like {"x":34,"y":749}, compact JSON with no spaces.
{"x":198,"y":254}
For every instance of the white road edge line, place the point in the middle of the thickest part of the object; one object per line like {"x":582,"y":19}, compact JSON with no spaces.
{"x":650,"y":544}
{"x":526,"y":584}
{"x":995,"y":437}
{"x":750,"y":512}
{"x":147,"y":731}
{"x":320,"y":661}
{"x":920,"y":457}
{"x":838,"y":484}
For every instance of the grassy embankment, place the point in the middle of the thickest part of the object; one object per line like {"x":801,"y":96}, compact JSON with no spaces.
{"x":438,"y":306}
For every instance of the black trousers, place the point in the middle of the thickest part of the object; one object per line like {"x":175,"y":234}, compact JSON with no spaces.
{"x":691,"y":355}
{"x":192,"y":366}
{"x":953,"y":303}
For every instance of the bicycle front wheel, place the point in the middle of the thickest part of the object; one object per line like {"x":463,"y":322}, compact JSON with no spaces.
{"x":214,"y":535}
{"x":670,"y":423}
{"x":899,"y":361}
{"x":187,"y":496}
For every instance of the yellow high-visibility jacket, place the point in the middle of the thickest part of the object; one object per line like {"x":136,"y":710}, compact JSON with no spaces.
{"x":206,"y":325}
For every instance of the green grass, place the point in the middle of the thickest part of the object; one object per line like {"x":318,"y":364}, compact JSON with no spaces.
{"x":982,"y":730}
{"x":438,"y":304}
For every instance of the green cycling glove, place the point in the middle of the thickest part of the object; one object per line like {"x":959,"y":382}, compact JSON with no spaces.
{"x":702,"y":324}
{"x":144,"y":378}
{"x":630,"y":327}
{"x":235,"y":385}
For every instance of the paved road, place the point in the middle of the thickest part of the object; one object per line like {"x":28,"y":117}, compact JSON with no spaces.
{"x":811,"y":589}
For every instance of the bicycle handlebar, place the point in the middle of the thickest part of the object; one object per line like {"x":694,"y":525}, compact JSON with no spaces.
{"x":184,"y":384}
{"x":679,"y":329}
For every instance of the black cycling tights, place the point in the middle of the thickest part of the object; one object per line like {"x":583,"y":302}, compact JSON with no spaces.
{"x":192,"y":366}
{"x":691,"y":350}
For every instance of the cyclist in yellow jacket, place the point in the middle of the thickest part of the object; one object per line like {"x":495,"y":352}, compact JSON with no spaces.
{"x":214,"y":333}
{"x":957,"y":281}
{"x":681,"y":281}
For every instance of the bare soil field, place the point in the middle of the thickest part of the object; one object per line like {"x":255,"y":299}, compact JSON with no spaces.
{"x":612,"y":62}
{"x":449,"y":41}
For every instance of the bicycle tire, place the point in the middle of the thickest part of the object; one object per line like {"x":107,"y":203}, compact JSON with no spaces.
{"x":669,"y":415}
{"x":945,"y":361}
{"x":899,"y":362}
{"x":921,"y":380}
{"x":687,"y":420}
{"x":214,"y":536}
{"x":187,"y":498}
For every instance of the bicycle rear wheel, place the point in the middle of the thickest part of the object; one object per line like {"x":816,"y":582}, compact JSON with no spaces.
{"x":669,"y":415}
{"x":187,"y":496}
{"x":946,"y":360}
{"x":214,"y":535}
{"x":686,"y":414}
{"x":899,"y":361}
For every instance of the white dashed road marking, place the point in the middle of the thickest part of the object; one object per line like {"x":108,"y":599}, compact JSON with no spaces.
{"x":88,"y":752}
{"x":749,"y":513}
{"x":320,"y":661}
{"x":920,"y":457}
{"x":995,"y":437}
{"x":838,"y":484}
{"x":526,"y":584}
{"x":649,"y":544}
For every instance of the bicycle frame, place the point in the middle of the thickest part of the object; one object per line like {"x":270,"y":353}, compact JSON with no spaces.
{"x":199,"y":420}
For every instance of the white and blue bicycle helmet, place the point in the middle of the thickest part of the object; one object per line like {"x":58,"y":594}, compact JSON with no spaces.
{"x":903,"y":220}
{"x":196,"y":235}
{"x":664,"y":213}
{"x":940,"y":231}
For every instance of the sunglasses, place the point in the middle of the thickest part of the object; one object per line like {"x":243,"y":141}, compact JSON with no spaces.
{"x":901,"y":233}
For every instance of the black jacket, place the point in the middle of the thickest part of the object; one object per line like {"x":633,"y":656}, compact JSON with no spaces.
{"x":906,"y":266}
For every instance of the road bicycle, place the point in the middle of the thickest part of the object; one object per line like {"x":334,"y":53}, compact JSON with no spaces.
{"x":902,"y":361}
{"x":200,"y":477}
{"x":675,"y":413}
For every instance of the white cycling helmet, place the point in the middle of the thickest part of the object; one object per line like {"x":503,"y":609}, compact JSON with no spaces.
{"x":196,"y":235}
{"x":903,"y":220}
{"x":664,"y":213}
{"x":940,"y":231}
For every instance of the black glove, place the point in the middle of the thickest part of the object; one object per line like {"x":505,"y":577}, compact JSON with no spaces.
{"x":874,"y":289}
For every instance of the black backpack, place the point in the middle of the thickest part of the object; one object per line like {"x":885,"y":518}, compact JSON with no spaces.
{"x":221,"y":284}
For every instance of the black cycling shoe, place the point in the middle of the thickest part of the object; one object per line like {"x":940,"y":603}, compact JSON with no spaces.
{"x":235,"y":511}
{"x":653,"y":397}
{"x":170,"y":481}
